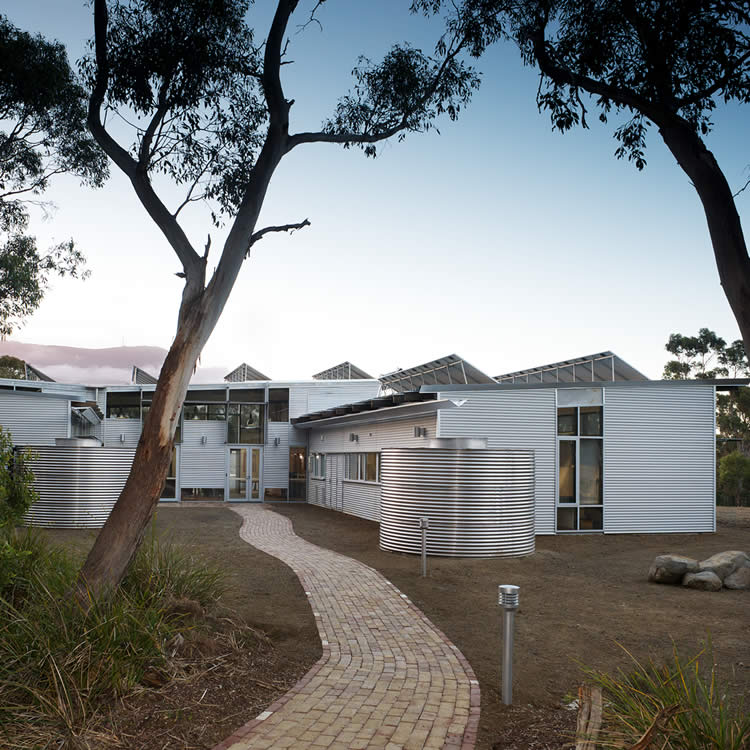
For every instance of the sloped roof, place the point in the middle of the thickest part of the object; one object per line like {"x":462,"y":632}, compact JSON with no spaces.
{"x":243,"y":373}
{"x":141,"y":377}
{"x":450,"y":370}
{"x":600,"y":367}
{"x":344,"y":371}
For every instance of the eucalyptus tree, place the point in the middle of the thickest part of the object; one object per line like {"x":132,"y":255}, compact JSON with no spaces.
{"x":660,"y":63}
{"x":203,"y":90}
{"x":42,"y":134}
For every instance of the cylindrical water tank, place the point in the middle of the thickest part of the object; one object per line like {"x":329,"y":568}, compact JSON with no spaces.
{"x":480,"y":502}
{"x":77,"y":486}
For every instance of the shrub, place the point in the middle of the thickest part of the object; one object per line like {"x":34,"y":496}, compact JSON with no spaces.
{"x":680,"y":705}
{"x":734,"y":478}
{"x":59,"y":662}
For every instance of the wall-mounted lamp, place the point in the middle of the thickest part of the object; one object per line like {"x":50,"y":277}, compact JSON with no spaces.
{"x":277,"y":441}
{"x":420,"y":432}
{"x":204,"y":439}
{"x":122,"y":437}
{"x":353,"y":437}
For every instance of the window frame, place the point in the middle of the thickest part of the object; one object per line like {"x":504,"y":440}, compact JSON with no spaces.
{"x":356,"y":464}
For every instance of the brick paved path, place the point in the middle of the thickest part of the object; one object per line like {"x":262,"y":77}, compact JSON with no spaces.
{"x":387,"y":678}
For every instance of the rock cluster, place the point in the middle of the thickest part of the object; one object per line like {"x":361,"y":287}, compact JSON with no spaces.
{"x":729,"y":570}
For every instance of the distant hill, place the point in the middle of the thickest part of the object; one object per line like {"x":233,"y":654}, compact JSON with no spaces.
{"x":110,"y":366}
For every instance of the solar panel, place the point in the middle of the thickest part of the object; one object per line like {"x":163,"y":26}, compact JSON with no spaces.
{"x":450,"y":370}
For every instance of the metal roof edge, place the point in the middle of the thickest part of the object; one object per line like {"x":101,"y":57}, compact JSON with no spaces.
{"x":718,"y":382}
{"x":386,"y":414}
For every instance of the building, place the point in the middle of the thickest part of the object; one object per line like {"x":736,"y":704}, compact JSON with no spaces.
{"x":567,"y":451}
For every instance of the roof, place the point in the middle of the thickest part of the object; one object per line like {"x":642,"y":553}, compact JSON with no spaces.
{"x":344,"y":371}
{"x":721,"y":384}
{"x":32,"y":373}
{"x":603,"y":366}
{"x":370,"y":405}
{"x":450,"y":370}
{"x":244,"y":372}
{"x":141,"y":377}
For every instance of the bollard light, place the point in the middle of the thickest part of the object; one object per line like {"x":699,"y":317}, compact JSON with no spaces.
{"x":424,"y":524}
{"x":508,"y":599}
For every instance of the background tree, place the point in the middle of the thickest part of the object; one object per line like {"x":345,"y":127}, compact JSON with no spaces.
{"x":734,"y":478}
{"x":665,"y":63}
{"x":12,"y":367}
{"x":204,"y":93}
{"x":43,"y":116}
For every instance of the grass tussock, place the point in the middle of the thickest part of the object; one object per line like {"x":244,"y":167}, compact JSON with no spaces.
{"x":680,"y":705}
{"x":60,"y":664}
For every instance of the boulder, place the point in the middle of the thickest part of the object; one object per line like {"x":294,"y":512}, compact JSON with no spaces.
{"x":740,"y":579}
{"x":671,"y":568}
{"x":723,"y":564}
{"x":704,"y":580}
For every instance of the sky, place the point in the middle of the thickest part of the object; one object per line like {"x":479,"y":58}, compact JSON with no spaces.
{"x":497,"y":238}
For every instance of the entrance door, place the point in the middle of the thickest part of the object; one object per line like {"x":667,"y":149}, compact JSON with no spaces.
{"x":297,"y":473}
{"x":244,"y":474}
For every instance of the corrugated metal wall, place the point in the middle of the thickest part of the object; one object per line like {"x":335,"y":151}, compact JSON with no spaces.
{"x":32,"y":419}
{"x":373,"y":437}
{"x":130,"y":428}
{"x":316,"y":492}
{"x":659,"y":459}
{"x":203,"y":465}
{"x":362,"y":499}
{"x":335,"y":467}
{"x":276,"y":457}
{"x":309,"y":397}
{"x":513,"y":420}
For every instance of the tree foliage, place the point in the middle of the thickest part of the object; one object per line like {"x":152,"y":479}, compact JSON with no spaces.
{"x":734,"y":478}
{"x":42,"y":134}
{"x":12,"y":367}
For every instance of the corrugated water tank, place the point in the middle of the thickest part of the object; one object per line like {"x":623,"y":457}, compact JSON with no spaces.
{"x":479,"y":501}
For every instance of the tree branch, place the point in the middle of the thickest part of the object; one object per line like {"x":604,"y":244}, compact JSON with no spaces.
{"x":283,"y":228}
{"x":278,"y":108}
{"x":191,"y":262}
{"x":716,"y":86}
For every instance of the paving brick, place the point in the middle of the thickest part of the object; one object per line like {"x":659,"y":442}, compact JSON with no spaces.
{"x":387,"y":677}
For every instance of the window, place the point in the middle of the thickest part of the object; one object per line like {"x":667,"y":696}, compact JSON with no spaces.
{"x":245,"y":423}
{"x":297,"y":474}
{"x":363,"y":467}
{"x":278,"y":404}
{"x":202,"y":493}
{"x":580,"y":494}
{"x":318,"y":465}
{"x":216,"y":412}
{"x":124,"y":405}
{"x":169,"y":491}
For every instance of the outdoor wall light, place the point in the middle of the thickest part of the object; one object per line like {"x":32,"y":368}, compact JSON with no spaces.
{"x":122,"y":437}
{"x":277,"y":441}
{"x":353,"y":437}
{"x":204,"y":439}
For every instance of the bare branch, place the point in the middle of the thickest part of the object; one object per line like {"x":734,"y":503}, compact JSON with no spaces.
{"x":742,"y":189}
{"x":191,"y":262}
{"x":283,"y":228}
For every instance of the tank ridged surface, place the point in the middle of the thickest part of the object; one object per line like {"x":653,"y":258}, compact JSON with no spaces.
{"x":480,"y":502}
{"x":77,"y":486}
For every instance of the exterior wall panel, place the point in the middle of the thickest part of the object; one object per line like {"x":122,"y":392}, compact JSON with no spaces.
{"x":33,"y":419}
{"x":513,"y":420}
{"x":113,"y":428}
{"x":315,"y":396}
{"x":362,"y":499}
{"x":203,"y":465}
{"x":659,"y":459}
{"x":316,"y":492}
{"x":276,"y":457}
{"x":373,"y":437}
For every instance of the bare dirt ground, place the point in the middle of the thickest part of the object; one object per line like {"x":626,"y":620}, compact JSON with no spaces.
{"x":221,"y":687}
{"x":581,"y":595}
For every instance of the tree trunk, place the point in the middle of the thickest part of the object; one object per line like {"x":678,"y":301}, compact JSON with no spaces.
{"x":122,"y":534}
{"x":724,"y":226}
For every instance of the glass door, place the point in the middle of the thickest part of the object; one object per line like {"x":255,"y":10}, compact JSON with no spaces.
{"x":237,"y":475}
{"x":244,"y":474}
{"x":297,"y":474}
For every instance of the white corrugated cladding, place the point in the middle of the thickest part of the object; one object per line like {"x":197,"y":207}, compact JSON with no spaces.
{"x":335,"y":467}
{"x":362,"y":499}
{"x":513,"y":420}
{"x":130,"y":428}
{"x":316,"y":492}
{"x":659,"y":459}
{"x":276,"y":457}
{"x":33,"y":419}
{"x":321,"y":394}
{"x":373,"y":437}
{"x":203,"y":465}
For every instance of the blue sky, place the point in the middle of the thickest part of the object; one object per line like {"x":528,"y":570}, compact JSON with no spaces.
{"x":497,"y":238}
